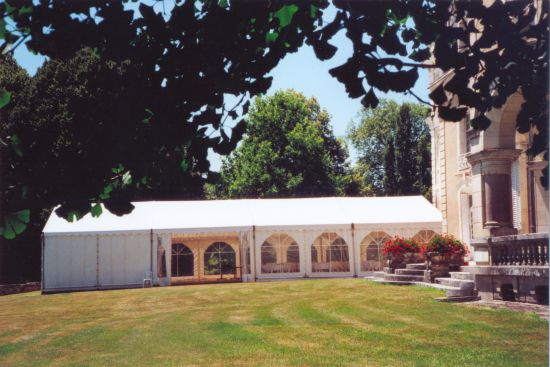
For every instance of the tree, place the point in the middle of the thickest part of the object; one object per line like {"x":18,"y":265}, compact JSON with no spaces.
{"x":140,"y":96}
{"x":489,"y":51}
{"x":189,"y":57}
{"x":393,"y":145}
{"x":390,"y":184}
{"x":289,"y":151}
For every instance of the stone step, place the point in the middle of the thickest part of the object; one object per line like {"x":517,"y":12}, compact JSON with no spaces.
{"x":409,"y":272}
{"x":436,"y":286}
{"x":457,"y":292}
{"x":391,"y":282}
{"x":459,"y":299}
{"x":420,"y":266}
{"x":459,"y":283}
{"x":451,"y":292}
{"x":375,"y":275}
{"x":461,"y":275}
{"x":404,"y":278}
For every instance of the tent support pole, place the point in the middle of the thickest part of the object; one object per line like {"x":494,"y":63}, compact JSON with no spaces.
{"x":354,"y":250}
{"x":151,"y":255}
{"x":97,"y":285}
{"x":42,"y":242}
{"x":253,"y":260}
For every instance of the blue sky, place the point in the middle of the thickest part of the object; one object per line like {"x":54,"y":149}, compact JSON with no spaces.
{"x":303,"y":72}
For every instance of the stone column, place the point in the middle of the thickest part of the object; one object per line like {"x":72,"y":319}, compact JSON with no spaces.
{"x":492,"y":191}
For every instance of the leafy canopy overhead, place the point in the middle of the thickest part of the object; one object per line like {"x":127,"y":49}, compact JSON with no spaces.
{"x":185,"y":60}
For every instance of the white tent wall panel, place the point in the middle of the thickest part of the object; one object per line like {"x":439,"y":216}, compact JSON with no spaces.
{"x":295,"y":235}
{"x":95,"y":261}
{"x":112,"y":251}
{"x":124,"y":260}
{"x":343,"y":232}
{"x":248,"y":272}
{"x":305,"y":240}
{"x":69,"y":262}
{"x":165,"y":240}
{"x":402,"y":230}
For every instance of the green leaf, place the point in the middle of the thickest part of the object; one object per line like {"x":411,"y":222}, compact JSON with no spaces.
{"x":15,"y":223}
{"x":96,"y":210}
{"x":285,"y":14}
{"x":313,"y":11}
{"x":25,"y":10}
{"x":106,"y":192}
{"x":9,"y":8}
{"x":2,"y":28}
{"x":118,"y":169}
{"x":148,"y":117}
{"x":271,"y":37}
{"x":73,"y":216}
{"x":184,"y":165}
{"x":223,"y":4}
{"x":126,"y":178}
{"x":481,"y":122}
{"x":5,"y":97}
{"x":370,"y":99}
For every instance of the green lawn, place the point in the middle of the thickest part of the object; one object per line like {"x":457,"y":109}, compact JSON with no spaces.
{"x":336,"y":322}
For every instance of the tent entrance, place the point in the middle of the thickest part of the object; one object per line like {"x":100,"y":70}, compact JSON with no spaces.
{"x":205,"y":258}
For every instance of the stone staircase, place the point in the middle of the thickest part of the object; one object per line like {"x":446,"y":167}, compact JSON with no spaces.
{"x":460,"y":286}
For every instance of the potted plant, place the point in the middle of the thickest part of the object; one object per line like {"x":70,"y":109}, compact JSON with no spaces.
{"x":402,"y":251}
{"x":444,"y":253}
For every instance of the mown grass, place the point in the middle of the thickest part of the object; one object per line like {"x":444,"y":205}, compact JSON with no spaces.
{"x":336,"y":322}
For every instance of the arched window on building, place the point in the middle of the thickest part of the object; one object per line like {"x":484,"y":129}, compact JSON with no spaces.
{"x":183,"y":263}
{"x":332,"y":254}
{"x":372,"y":254}
{"x":219,"y":258}
{"x":280,"y":254}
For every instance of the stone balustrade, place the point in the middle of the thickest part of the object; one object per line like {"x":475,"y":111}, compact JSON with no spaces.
{"x":530,"y":250}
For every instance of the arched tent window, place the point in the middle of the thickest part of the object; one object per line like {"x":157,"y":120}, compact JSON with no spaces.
{"x":314,"y":254}
{"x":219,"y":258}
{"x":182,"y":260}
{"x":332,"y":254}
{"x":293,"y":253}
{"x":280,"y":254}
{"x":424,"y":236}
{"x":269,"y":256}
{"x":372,"y":256}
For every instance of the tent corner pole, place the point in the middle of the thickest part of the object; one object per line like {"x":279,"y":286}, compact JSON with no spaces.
{"x":42,"y":280}
{"x":151,"y":254}
{"x":354,"y":250}
{"x":253,"y":260}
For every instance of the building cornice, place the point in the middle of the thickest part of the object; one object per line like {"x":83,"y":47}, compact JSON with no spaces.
{"x":493,"y":155}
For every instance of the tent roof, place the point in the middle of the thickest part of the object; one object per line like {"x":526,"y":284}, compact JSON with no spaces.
{"x":219,"y":215}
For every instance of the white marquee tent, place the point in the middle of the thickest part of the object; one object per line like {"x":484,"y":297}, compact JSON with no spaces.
{"x":171,"y":242}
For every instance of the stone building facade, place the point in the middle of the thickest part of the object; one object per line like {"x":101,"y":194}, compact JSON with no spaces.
{"x":489,"y":191}
{"x":484,"y":182}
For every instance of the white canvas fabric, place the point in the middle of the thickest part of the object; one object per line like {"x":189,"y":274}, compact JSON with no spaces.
{"x":240,"y":215}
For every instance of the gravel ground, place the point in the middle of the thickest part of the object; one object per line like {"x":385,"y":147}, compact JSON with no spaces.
{"x":540,"y":310}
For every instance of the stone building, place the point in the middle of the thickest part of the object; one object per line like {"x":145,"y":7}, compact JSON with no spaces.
{"x":484,"y":182}
{"x":490,"y":194}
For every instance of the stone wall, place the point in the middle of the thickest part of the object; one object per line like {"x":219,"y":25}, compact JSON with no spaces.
{"x":19,"y":288}
{"x":511,"y":283}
